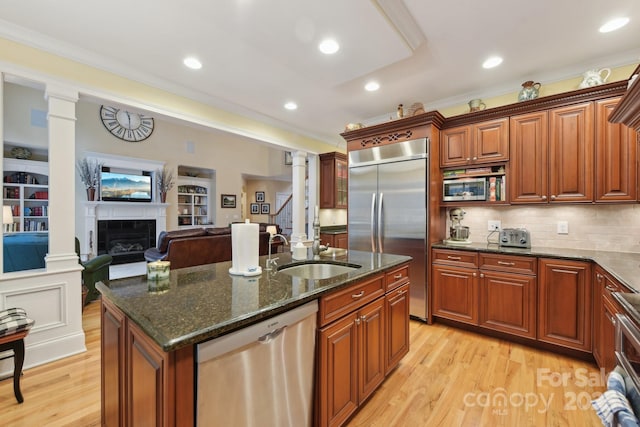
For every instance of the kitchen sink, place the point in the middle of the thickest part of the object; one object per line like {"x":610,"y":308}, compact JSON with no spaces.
{"x":317,"y":270}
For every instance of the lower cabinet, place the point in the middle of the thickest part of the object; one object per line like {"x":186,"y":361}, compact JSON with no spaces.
{"x":493,"y":291}
{"x":142,"y":384}
{"x":564,"y":303}
{"x":507,"y":294}
{"x":605,"y":309}
{"x":361,"y":346}
{"x":339,"y":240}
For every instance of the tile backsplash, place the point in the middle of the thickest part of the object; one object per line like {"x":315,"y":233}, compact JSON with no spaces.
{"x":595,"y":227}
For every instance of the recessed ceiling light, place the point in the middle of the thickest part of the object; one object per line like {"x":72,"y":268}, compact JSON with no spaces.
{"x":291,"y":105}
{"x":372,"y":86}
{"x":494,"y":61}
{"x":192,"y":63}
{"x":614,"y":24}
{"x":328,"y":46}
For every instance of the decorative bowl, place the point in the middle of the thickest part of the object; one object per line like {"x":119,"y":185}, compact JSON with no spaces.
{"x":21,"y":153}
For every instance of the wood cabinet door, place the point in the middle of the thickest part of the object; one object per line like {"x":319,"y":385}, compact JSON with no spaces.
{"x":529,"y":150}
{"x":397,"y":336}
{"x":608,"y":335}
{"x":327,"y":183}
{"x":147,"y":381}
{"x":455,"y":293}
{"x":490,"y":141}
{"x":508,"y":303}
{"x":337,"y":372}
{"x":341,"y":241}
{"x":616,"y":155}
{"x":113,"y":326}
{"x":455,"y":146}
{"x":564,"y":303}
{"x":571,"y":153}
{"x":371,"y":355}
{"x":334,"y":186}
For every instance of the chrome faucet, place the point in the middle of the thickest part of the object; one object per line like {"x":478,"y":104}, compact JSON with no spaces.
{"x":317,"y":247}
{"x":272,"y":262}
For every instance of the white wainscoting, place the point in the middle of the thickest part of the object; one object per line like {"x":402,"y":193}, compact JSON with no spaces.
{"x":53,"y":300}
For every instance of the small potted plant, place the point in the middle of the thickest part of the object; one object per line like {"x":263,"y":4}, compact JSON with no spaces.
{"x":164,"y":179}
{"x":89,"y":171}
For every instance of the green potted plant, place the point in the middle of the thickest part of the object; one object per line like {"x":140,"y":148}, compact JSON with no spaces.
{"x":89,"y":171}
{"x":165,"y":182}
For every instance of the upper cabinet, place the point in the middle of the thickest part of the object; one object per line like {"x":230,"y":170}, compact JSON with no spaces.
{"x":627,"y":111}
{"x":615,"y":156}
{"x":485,"y":142}
{"x":572,"y":154}
{"x":333,"y":180}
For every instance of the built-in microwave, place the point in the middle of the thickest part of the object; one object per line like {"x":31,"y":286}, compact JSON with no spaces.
{"x":464,"y":189}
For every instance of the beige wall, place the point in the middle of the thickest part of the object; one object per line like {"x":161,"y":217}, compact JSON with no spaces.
{"x":594,"y":227}
{"x":546,"y":89}
{"x":270,"y":189}
{"x":231,"y":156}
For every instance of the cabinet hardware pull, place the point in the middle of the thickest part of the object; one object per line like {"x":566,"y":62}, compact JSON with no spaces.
{"x":610,"y":288}
{"x":358,"y":295}
{"x":402,"y":291}
{"x":454,"y":258}
{"x":363,"y":318}
{"x":357,"y":320}
{"x":482,"y":275}
{"x":475,"y":158}
{"x":468,"y":159}
{"x":475,"y":275}
{"x":506,"y":263}
{"x":553,"y":197}
{"x":599,"y":276}
{"x":398,"y":276}
{"x":544,"y":197}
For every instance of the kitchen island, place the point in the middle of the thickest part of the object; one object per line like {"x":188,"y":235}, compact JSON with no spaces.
{"x":150,"y":332}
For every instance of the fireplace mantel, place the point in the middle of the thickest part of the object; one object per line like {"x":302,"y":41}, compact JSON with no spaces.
{"x":99,"y":210}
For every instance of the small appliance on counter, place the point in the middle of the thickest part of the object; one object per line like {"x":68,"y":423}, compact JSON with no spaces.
{"x":515,"y":237}
{"x":458,"y":233}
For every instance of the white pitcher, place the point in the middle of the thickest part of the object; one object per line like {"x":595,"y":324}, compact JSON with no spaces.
{"x":594,"y":77}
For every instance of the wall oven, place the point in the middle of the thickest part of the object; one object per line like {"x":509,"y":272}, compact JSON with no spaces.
{"x":628,"y":347}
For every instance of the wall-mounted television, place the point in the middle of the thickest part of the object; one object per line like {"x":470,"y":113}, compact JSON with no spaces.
{"x":125,"y":186}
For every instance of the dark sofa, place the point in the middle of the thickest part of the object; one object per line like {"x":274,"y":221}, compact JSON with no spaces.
{"x":197,"y":246}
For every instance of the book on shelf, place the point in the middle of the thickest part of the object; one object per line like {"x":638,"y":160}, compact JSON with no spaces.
{"x":450,"y":173}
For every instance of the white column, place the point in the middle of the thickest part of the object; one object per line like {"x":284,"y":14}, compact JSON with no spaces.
{"x":62,"y":172}
{"x":298,"y":172}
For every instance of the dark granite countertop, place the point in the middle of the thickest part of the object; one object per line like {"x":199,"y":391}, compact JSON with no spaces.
{"x":206,"y":301}
{"x":623,"y":266}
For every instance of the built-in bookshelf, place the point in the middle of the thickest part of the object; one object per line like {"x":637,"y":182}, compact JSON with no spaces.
{"x":26,"y":190}
{"x":193,"y":202}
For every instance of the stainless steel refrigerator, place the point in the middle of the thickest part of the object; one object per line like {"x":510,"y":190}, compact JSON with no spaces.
{"x":388,"y":212}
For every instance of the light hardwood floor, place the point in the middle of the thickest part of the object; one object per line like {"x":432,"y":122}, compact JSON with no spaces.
{"x":450,"y":378}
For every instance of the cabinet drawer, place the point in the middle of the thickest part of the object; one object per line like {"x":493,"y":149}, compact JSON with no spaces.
{"x":458,"y":258}
{"x":516,"y":264}
{"x":397,"y":277}
{"x":339,"y":303}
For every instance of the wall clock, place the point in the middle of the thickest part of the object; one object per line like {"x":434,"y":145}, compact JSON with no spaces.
{"x":126,"y":125}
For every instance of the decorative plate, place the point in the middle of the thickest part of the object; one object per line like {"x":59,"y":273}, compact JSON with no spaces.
{"x":21,"y":153}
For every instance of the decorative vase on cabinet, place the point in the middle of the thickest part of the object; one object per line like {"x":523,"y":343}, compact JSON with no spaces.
{"x":529,"y":91}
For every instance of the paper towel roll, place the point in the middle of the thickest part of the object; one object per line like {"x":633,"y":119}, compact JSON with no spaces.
{"x":245,"y":249}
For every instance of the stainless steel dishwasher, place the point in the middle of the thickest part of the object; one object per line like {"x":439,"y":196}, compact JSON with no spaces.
{"x":261,"y":375}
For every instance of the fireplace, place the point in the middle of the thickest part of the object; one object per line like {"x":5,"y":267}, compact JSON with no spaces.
{"x":126,"y":240}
